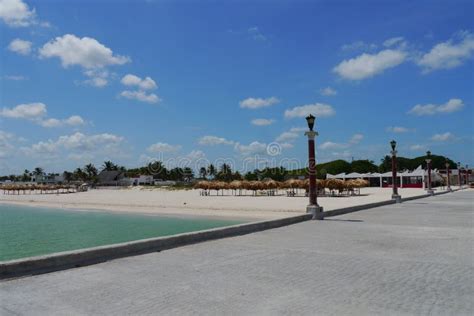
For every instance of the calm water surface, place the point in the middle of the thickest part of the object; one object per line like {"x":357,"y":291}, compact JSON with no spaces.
{"x":27,"y":231}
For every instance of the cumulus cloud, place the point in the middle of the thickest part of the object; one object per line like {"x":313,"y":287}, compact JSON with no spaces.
{"x":287,"y":136}
{"x":358,"y":46}
{"x":256,"y":34}
{"x":144,"y":84}
{"x":317,"y":109}
{"x":442,"y":137}
{"x":449,"y":54}
{"x":262,"y":122}
{"x":6,"y":144}
{"x":328,"y":91}
{"x":20,"y":46}
{"x":29,"y":111}
{"x":163,"y":148}
{"x":256,"y":103}
{"x":398,"y":129}
{"x":16,"y":13}
{"x":97,"y":77}
{"x":214,"y":140}
{"x":37,"y":112}
{"x":253,"y":148}
{"x":393,"y":41}
{"x":417,"y":147}
{"x":354,"y":140}
{"x":85,"y":52}
{"x":369,"y":65}
{"x":78,"y":142}
{"x":140,"y":96}
{"x":452,"y":105}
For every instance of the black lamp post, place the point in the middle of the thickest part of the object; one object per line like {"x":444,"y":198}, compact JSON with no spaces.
{"x":313,"y":207}
{"x":428,"y":166}
{"x":467,"y":176}
{"x":448,"y":176}
{"x":395,"y":194}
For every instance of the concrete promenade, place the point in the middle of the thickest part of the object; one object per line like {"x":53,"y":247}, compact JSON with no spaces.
{"x":406,"y":259}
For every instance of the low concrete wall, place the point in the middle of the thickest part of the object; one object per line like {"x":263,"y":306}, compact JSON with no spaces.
{"x":351,"y":209}
{"x":82,"y":257}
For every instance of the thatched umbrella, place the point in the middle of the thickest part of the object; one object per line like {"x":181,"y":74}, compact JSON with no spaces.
{"x":335,"y":184}
{"x":270,"y":185}
{"x":236,"y":185}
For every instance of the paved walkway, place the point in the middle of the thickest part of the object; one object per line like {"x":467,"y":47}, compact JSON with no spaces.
{"x":414,"y":258}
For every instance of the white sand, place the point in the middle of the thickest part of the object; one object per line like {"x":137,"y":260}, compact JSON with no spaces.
{"x":191,"y":203}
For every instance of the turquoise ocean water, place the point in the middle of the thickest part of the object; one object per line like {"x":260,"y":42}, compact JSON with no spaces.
{"x":28,"y":231}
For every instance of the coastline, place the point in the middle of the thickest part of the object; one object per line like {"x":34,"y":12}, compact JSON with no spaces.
{"x":189,"y":203}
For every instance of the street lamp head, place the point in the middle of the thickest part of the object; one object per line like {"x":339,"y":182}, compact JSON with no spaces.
{"x":428,"y":154}
{"x":310,"y":120}
{"x":393,"y":144}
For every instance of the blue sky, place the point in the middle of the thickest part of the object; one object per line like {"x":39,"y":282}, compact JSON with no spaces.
{"x":189,"y":81}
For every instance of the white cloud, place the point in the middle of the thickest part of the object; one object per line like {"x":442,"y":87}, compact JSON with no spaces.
{"x":140,"y":96}
{"x":393,"y":41}
{"x":449,"y":54}
{"x":251,"y":149}
{"x":286,"y":145}
{"x":75,"y":120}
{"x":417,"y":147}
{"x":37,"y":112}
{"x":332,"y":145}
{"x":442,"y":137}
{"x":369,"y":65}
{"x":78,"y":142}
{"x":262,"y":122}
{"x":86,"y":52}
{"x":30,"y":111}
{"x":16,"y":13}
{"x":317,"y":109}
{"x":255,"y":103}
{"x":398,"y":129}
{"x":256,"y":34}
{"x":15,"y":77}
{"x":97,"y":77}
{"x":20,"y":46}
{"x":328,"y":91}
{"x":358,"y":46}
{"x":214,"y":140}
{"x":356,"y":138}
{"x":163,"y":148}
{"x":52,"y":122}
{"x":6,"y":146}
{"x":287,"y":136}
{"x":452,"y":105}
{"x":143,"y":84}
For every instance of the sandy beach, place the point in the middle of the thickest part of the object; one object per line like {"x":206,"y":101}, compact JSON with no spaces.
{"x":191,"y":203}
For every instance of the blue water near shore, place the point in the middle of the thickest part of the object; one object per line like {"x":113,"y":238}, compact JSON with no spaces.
{"x":28,"y":231}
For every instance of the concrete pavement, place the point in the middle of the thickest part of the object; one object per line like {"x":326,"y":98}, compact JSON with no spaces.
{"x":412,"y":258}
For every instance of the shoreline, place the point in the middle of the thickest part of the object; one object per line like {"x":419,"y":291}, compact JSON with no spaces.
{"x":189,"y":203}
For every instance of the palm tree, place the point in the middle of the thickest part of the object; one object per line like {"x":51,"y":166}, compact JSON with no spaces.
{"x":91,"y":171}
{"x":203,"y":172}
{"x":211,"y":170}
{"x":79,"y":174}
{"x":109,"y":166}
{"x":38,"y":171}
{"x":26,"y":176}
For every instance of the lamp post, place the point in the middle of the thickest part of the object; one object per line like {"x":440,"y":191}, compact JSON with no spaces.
{"x":428,"y":166}
{"x":459,"y":175}
{"x":395,"y":194}
{"x":313,"y":207}
{"x":447,"y":176}
{"x":467,"y":176}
